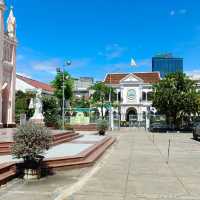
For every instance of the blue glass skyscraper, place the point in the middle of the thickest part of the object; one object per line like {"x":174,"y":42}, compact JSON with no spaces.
{"x":166,"y":64}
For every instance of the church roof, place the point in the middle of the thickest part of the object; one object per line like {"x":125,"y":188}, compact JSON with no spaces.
{"x":36,"y":84}
{"x":147,"y":77}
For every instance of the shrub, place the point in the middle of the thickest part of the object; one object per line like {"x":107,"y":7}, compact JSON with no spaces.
{"x":102,"y":126}
{"x":31,"y":141}
{"x":51,"y":111}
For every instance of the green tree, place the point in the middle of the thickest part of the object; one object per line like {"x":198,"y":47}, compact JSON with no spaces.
{"x":101,"y":95}
{"x":50,"y":111}
{"x":176,"y":96}
{"x":57,"y":84}
{"x":81,"y":103}
{"x":22,"y":101}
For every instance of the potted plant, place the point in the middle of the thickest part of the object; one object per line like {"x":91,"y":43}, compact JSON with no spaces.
{"x":102,"y":126}
{"x":30,"y":143}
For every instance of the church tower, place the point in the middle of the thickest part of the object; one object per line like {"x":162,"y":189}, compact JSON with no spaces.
{"x":7,"y":68}
{"x":2,"y":9}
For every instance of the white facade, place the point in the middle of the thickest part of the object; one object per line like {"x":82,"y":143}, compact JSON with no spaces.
{"x":134,"y":97}
{"x":7,"y":68}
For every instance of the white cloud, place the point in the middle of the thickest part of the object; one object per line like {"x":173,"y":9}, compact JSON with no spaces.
{"x":172,"y":13}
{"x":144,"y":62}
{"x":46,"y":65}
{"x":23,"y":74}
{"x":81,"y":63}
{"x":194,"y":74}
{"x":182,"y":11}
{"x":113,"y":51}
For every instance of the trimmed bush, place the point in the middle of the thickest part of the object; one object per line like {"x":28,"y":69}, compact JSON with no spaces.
{"x":31,"y":141}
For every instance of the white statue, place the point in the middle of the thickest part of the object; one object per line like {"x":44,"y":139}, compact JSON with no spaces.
{"x":38,"y":116}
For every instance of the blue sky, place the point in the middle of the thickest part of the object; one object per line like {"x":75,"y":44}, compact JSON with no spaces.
{"x":101,"y":36}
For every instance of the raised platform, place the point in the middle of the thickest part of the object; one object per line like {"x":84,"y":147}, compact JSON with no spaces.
{"x":81,"y":152}
{"x":86,"y":157}
{"x":59,"y":137}
{"x":89,"y":127}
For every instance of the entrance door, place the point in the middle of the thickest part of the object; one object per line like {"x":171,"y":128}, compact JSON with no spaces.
{"x":131,"y":117}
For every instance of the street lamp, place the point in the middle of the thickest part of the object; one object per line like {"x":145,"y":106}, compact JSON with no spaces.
{"x":110,"y":103}
{"x":66,"y":63}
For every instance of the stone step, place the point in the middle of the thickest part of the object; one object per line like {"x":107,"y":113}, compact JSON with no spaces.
{"x":89,"y":127}
{"x":7,"y":172}
{"x":64,"y":136}
{"x":78,"y":162}
{"x":64,"y":140}
{"x":5,"y":147}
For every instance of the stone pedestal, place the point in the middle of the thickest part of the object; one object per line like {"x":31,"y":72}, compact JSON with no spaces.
{"x":37,"y":121}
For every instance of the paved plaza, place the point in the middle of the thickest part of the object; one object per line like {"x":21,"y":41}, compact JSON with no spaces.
{"x":135,"y":167}
{"x":138,"y":169}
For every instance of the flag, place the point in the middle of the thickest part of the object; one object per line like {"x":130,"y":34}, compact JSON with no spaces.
{"x":133,"y":63}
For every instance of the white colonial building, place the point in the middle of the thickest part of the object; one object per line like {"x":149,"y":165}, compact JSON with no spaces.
{"x":134,"y":92}
{"x":7,"y":68}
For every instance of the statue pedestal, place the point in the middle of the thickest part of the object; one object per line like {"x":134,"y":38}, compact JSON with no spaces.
{"x":38,"y":119}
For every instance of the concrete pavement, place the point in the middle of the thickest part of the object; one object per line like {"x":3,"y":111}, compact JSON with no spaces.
{"x":135,"y":168}
{"x":138,"y":169}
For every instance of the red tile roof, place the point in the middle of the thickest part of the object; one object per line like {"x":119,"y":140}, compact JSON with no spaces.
{"x":36,"y":84}
{"x":147,"y":77}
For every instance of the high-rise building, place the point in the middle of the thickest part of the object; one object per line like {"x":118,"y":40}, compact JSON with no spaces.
{"x":166,"y":63}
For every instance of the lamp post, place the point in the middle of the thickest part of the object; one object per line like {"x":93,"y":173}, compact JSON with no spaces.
{"x":66,"y":63}
{"x":110,"y":102}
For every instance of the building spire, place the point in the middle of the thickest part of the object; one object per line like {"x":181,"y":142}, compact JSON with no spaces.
{"x":11,"y":24}
{"x":2,"y":4}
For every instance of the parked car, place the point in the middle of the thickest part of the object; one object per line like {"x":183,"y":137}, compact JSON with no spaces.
{"x":158,"y":127}
{"x":195,"y":124}
{"x":196,"y":131}
{"x":187,"y":127}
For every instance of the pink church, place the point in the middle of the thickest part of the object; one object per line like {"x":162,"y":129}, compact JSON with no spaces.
{"x":7,"y":67}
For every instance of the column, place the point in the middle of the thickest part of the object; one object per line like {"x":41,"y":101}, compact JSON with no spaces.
{"x":1,"y":125}
{"x":11,"y":114}
{"x":2,"y":8}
